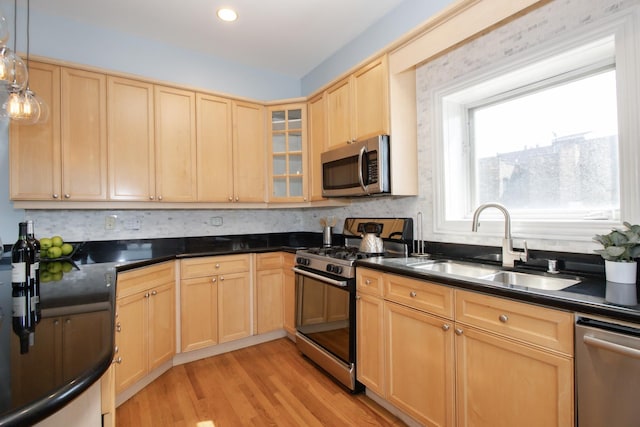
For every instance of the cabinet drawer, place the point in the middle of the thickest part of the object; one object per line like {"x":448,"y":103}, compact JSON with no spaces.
{"x":269,"y":261}
{"x":426,"y":296}
{"x":132,"y":281}
{"x":369,"y":281}
{"x":211,"y":266}
{"x":546,"y":327}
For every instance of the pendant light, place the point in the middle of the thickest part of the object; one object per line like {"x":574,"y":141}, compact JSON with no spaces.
{"x":13,"y":71}
{"x":23,"y":105}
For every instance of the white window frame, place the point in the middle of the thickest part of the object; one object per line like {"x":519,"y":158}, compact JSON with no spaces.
{"x":611,"y":40}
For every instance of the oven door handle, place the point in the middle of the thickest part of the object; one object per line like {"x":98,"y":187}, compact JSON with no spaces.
{"x":340,"y":283}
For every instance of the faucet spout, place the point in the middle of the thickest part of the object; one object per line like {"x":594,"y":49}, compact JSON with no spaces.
{"x":509,"y":256}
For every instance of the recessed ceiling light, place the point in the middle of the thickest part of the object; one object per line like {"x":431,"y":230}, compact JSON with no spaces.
{"x":226,"y":14}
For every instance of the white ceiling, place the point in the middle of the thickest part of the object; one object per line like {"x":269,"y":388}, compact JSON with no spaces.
{"x":290,"y":37}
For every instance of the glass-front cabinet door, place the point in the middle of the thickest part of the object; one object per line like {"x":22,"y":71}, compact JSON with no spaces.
{"x":288,"y":166}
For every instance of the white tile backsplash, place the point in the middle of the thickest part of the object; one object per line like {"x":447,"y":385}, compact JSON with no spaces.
{"x":540,"y":25}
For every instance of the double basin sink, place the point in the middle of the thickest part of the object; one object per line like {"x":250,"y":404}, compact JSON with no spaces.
{"x":485,"y":273}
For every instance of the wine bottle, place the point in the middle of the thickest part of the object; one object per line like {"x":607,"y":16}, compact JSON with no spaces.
{"x":22,"y":315}
{"x":34,"y":272}
{"x":21,"y":259}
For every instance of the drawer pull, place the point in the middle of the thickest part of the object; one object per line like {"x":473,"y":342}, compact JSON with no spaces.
{"x":358,"y":297}
{"x":118,"y":327}
{"x":458,"y":331}
{"x":446,"y":327}
{"x":503,"y":318}
{"x":154,"y":293}
{"x":217,"y":265}
{"x":214,"y":280}
{"x":222,"y":278}
{"x":118,"y":360}
{"x":146,"y":295}
{"x":412,"y":294}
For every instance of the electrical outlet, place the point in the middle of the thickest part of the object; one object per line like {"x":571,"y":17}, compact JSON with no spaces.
{"x":216,"y":221}
{"x":110,"y":222}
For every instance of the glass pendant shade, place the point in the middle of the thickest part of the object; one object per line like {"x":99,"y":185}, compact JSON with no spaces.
{"x":23,"y":107}
{"x":13,"y":71}
{"x":4,"y":31}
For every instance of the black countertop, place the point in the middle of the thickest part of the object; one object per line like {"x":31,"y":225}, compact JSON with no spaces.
{"x":64,"y":360}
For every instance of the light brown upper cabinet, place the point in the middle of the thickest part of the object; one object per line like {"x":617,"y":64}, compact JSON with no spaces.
{"x":358,"y":105}
{"x":131,"y":140}
{"x":175,"y":137}
{"x":66,"y":156}
{"x":317,"y":130}
{"x":288,"y":149}
{"x":249,"y":153}
{"x":215,"y":149}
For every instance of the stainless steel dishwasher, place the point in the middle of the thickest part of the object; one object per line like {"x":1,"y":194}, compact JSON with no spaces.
{"x":607,"y":372}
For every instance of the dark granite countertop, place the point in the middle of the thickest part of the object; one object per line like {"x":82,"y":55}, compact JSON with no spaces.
{"x":37,"y":384}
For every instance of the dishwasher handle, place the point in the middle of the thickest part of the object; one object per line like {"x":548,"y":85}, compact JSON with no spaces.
{"x":610,"y":346}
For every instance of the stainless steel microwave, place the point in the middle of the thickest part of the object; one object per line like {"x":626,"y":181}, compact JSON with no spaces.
{"x":358,"y":169}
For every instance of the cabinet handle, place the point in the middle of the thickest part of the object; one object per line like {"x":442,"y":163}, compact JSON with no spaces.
{"x":67,"y":196}
{"x":358,"y":297}
{"x":237,"y":199}
{"x":222,"y":278}
{"x":412,"y":294}
{"x":116,"y":349}
{"x":118,"y":360}
{"x":118,"y":327}
{"x":446,"y":327}
{"x":214,"y":280}
{"x":67,"y":321}
{"x":458,"y":331}
{"x":151,"y":197}
{"x":503,"y":318}
{"x":217,"y":265}
{"x":230,"y":199}
{"x":146,"y":295}
{"x":154,"y":292}
{"x":159,"y":197}
{"x":56,"y":322}
{"x":367,"y":282}
{"x":55,"y":196}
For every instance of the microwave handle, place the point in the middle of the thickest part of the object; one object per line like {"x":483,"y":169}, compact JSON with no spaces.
{"x":363,"y":150}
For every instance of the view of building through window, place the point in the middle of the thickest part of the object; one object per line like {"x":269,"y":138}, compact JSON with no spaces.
{"x":551,"y":149}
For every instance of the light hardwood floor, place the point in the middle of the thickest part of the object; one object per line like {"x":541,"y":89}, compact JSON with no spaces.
{"x":269,"y":384}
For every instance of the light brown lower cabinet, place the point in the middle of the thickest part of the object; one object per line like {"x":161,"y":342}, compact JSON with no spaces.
{"x":289,"y":293}
{"x":214,"y":300}
{"x":269,"y":292}
{"x":145,"y":322}
{"x":497,"y":362}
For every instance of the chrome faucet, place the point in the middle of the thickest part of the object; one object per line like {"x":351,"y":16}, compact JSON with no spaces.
{"x":509,"y":256}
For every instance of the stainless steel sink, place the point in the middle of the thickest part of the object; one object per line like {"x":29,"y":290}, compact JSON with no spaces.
{"x":456,"y":268}
{"x":512,"y":278}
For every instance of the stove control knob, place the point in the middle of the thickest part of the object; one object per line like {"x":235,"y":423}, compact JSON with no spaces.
{"x":302,"y":261}
{"x":334,"y":268}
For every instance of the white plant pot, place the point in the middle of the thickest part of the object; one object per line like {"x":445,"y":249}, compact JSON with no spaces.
{"x":621,"y":272}
{"x":621,"y":293}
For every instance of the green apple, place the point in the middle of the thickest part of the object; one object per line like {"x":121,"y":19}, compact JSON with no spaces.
{"x":66,"y":248}
{"x":54,"y":267}
{"x":56,"y":241}
{"x":67,"y":266}
{"x":45,"y":243}
{"x":54,"y":252}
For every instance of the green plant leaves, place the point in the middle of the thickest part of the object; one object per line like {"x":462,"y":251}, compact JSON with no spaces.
{"x":620,"y":245}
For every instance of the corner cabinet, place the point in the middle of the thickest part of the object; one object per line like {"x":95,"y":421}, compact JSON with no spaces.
{"x":288,"y":153}
{"x":358,"y":106}
{"x":64,"y":158}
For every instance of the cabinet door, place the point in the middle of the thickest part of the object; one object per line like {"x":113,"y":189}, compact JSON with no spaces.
{"x":339,"y":112}
{"x":131,"y":339}
{"x":289,"y":294}
{"x":317,"y":133}
{"x":371,"y":99}
{"x":175,"y":132}
{"x":75,"y":330}
{"x":500,"y":382}
{"x":370,"y":342}
{"x":215,"y":148}
{"x":249,"y":153}
{"x":35,"y":161}
{"x":199,"y":312}
{"x":288,"y":147}
{"x":84,"y":135}
{"x":419,"y":365}
{"x":269,"y":285}
{"x":131,"y":140}
{"x":234,"y":310}
{"x":162,"y":324}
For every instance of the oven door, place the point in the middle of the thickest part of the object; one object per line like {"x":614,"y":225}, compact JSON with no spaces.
{"x":325,"y":312}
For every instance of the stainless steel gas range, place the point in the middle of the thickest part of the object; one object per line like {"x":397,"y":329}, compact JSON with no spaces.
{"x":326,"y":295}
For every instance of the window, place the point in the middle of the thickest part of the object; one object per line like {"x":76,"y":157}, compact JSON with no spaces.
{"x":550,"y":150}
{"x":550,"y":134}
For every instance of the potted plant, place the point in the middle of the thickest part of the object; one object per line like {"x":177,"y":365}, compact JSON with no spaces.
{"x":620,"y":249}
